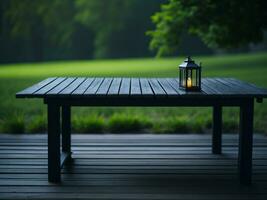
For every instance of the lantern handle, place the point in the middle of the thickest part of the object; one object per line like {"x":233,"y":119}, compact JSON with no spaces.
{"x":189,"y":58}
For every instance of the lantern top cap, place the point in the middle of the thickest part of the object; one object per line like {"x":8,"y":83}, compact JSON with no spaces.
{"x":189,"y":63}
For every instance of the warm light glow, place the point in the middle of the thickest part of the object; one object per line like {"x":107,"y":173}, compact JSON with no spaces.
{"x":189,"y":82}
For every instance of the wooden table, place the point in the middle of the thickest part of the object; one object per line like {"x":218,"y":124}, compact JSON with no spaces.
{"x":60,"y":93}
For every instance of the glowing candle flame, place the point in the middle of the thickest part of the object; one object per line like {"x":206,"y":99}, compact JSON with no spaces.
{"x":189,"y":82}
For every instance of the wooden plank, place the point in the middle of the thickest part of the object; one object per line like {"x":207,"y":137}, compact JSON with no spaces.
{"x":135,"y":87}
{"x":260,"y":154}
{"x":191,"y":155}
{"x":90,"y":177}
{"x":210,"y":87}
{"x":207,"y":89}
{"x":167,"y":87}
{"x":127,"y":150}
{"x":30,"y":90}
{"x":104,"y":87}
{"x":83,"y":87}
{"x":147,"y":144}
{"x":97,"y":181}
{"x":112,"y":138}
{"x":158,"y":192}
{"x":139,"y":163}
{"x":128,"y":166}
{"x":231,"y":171}
{"x":97,"y":151}
{"x":64,"y":84}
{"x":123,"y":140}
{"x":141,"y":137}
{"x":145,"y":88}
{"x":246,"y":87}
{"x":96,"y":170}
{"x":115,"y":87}
{"x":221,"y":88}
{"x":49,"y":87}
{"x":75,"y":84}
{"x":156,"y":87}
{"x":125,"y":87}
{"x":92,"y":89}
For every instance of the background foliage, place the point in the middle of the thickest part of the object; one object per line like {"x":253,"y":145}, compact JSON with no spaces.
{"x":85,"y":29}
{"x":74,"y":29}
{"x":220,"y":24}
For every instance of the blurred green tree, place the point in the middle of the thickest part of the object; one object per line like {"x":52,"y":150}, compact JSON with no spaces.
{"x":42,"y":20}
{"x":80,"y":29}
{"x":104,"y":18}
{"x":220,"y":24}
{"x":119,"y":26}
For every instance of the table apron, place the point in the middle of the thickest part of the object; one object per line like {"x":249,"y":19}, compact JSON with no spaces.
{"x":148,"y":102}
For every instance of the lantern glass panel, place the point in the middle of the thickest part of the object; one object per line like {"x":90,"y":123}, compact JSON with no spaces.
{"x":193,"y":77}
{"x":189,"y":79}
{"x":183,"y":77}
{"x":197,"y":78}
{"x":194,"y":80}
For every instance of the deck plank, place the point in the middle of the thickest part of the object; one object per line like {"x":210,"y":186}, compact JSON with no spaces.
{"x":115,"y":87}
{"x":83,"y":87}
{"x":135,"y":87}
{"x":48,"y":87}
{"x":74,"y":85}
{"x":92,"y":89}
{"x":146,"y":88}
{"x":208,"y":89}
{"x":156,"y":87}
{"x":175,"y":85}
{"x":60,"y":87}
{"x":36,"y":87}
{"x":167,"y":87}
{"x":104,"y":87}
{"x":125,"y":87}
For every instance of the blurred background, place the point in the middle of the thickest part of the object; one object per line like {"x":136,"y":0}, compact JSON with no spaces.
{"x":47,"y":30}
{"x":137,"y":38}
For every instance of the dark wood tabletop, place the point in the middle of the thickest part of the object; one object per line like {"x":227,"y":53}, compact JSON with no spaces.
{"x":83,"y":87}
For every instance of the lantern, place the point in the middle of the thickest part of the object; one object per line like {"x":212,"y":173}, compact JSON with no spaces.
{"x":190,"y":75}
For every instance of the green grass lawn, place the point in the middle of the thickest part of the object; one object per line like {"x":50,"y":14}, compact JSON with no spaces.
{"x":24,"y":115}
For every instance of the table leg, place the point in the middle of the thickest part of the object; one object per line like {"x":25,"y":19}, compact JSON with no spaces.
{"x":66,"y":131}
{"x":217,"y":130}
{"x":53,"y":113}
{"x":245,"y":142}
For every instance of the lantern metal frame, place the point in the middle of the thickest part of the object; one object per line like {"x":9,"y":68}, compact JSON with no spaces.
{"x":190,"y":75}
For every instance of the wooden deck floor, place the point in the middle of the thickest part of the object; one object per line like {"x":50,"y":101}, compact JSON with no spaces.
{"x":131,"y":167}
